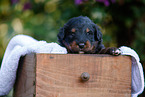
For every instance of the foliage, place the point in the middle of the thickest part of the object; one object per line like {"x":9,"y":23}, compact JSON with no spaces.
{"x":122,"y":21}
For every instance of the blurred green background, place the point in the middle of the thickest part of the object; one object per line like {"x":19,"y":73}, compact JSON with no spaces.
{"x":122,"y":22}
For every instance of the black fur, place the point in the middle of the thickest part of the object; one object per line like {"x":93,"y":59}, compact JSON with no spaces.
{"x":84,"y":32}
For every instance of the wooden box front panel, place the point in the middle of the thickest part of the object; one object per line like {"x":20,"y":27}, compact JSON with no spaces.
{"x":59,"y":75}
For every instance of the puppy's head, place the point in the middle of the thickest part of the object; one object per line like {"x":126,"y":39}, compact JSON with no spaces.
{"x":80,"y":35}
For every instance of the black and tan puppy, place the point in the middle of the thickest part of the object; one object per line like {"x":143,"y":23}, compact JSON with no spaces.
{"x":81,"y":35}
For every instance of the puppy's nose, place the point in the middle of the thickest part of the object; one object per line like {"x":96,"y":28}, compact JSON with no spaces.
{"x":81,"y":45}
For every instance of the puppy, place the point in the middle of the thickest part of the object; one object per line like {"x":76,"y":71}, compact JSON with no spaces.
{"x":81,"y":35}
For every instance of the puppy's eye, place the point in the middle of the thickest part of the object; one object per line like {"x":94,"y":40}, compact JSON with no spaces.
{"x":72,"y":34}
{"x":89,"y":32}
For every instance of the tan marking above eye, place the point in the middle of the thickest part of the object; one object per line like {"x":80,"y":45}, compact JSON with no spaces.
{"x":73,"y":30}
{"x":87,"y":30}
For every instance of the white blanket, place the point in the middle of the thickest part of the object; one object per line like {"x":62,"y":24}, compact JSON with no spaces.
{"x":21,"y":45}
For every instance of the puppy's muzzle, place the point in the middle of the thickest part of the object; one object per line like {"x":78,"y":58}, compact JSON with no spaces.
{"x":86,"y":47}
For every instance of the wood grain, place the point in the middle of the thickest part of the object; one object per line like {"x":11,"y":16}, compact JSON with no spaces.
{"x":26,"y":76}
{"x":51,"y":75}
{"x":59,"y":75}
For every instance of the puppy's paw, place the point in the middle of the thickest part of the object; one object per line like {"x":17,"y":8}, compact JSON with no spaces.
{"x":115,"y":51}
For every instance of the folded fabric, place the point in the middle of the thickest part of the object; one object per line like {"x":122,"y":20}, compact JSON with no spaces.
{"x":137,"y":85}
{"x":21,"y":45}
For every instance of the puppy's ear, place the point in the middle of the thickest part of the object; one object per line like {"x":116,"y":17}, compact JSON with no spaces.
{"x":98,"y":33}
{"x":61,"y":35}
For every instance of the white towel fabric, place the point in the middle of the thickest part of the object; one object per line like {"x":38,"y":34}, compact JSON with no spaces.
{"x":21,"y":45}
{"x":137,"y":85}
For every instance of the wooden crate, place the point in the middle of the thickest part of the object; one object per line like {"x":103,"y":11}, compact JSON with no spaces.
{"x":58,"y":75}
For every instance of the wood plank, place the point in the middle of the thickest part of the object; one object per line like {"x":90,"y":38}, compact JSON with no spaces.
{"x":59,"y":75}
{"x":25,"y":82}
